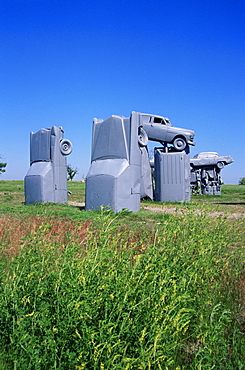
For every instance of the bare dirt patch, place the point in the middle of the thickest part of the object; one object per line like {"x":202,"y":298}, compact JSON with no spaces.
{"x":173,"y":210}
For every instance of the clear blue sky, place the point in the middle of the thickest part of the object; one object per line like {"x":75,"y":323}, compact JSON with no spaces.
{"x":64,"y":62}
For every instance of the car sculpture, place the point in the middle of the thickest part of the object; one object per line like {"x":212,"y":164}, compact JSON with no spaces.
{"x":211,"y":159}
{"x":160,"y":129}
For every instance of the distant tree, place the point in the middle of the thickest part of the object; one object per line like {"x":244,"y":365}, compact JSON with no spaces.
{"x":2,"y":167}
{"x":71,"y":172}
{"x":242,"y":181}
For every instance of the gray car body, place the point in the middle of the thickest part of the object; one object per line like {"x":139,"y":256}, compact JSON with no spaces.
{"x":210,"y":159}
{"x":160,"y":129}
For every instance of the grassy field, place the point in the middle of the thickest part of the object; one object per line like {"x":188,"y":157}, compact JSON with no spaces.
{"x":163,"y":288}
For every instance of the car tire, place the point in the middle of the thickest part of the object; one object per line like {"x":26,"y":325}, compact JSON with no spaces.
{"x":65,"y":147}
{"x":220,"y":165}
{"x":142,"y":137}
{"x":179,"y":143}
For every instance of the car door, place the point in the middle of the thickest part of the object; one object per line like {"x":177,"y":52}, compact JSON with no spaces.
{"x":158,"y":129}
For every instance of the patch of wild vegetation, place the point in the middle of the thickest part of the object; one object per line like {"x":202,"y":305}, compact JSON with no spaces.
{"x":144,"y":291}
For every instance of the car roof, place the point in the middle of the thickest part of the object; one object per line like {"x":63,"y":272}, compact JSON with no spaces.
{"x":206,"y":155}
{"x":154,"y":115}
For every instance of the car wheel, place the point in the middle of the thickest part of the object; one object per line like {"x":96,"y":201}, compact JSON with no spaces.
{"x":179,"y":143}
{"x":142,"y":137}
{"x":220,"y":165}
{"x":65,"y":147}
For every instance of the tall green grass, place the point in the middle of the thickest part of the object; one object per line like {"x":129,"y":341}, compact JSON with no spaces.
{"x":124,"y":294}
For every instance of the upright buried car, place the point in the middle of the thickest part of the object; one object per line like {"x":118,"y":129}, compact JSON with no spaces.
{"x":159,"y":129}
{"x":211,"y":159}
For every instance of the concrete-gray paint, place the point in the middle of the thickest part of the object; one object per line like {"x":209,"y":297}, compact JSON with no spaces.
{"x":46,"y":180}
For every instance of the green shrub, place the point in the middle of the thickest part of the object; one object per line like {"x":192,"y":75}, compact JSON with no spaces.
{"x":242,"y":181}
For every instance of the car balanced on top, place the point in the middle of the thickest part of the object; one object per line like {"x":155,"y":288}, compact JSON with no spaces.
{"x":211,"y":159}
{"x":160,"y":129}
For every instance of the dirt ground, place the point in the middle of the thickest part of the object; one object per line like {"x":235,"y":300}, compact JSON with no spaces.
{"x":172,"y":210}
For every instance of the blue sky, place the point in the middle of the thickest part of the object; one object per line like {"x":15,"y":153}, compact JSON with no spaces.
{"x":63,"y":63}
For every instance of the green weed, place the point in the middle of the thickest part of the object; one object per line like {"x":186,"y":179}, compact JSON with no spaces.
{"x":124,"y":292}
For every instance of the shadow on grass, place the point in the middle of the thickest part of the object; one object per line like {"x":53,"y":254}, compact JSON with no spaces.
{"x":230,"y":203}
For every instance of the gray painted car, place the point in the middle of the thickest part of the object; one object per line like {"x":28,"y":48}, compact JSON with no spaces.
{"x":160,"y":129}
{"x":211,"y":159}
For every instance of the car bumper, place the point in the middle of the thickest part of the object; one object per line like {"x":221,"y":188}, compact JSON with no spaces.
{"x":191,"y":142}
